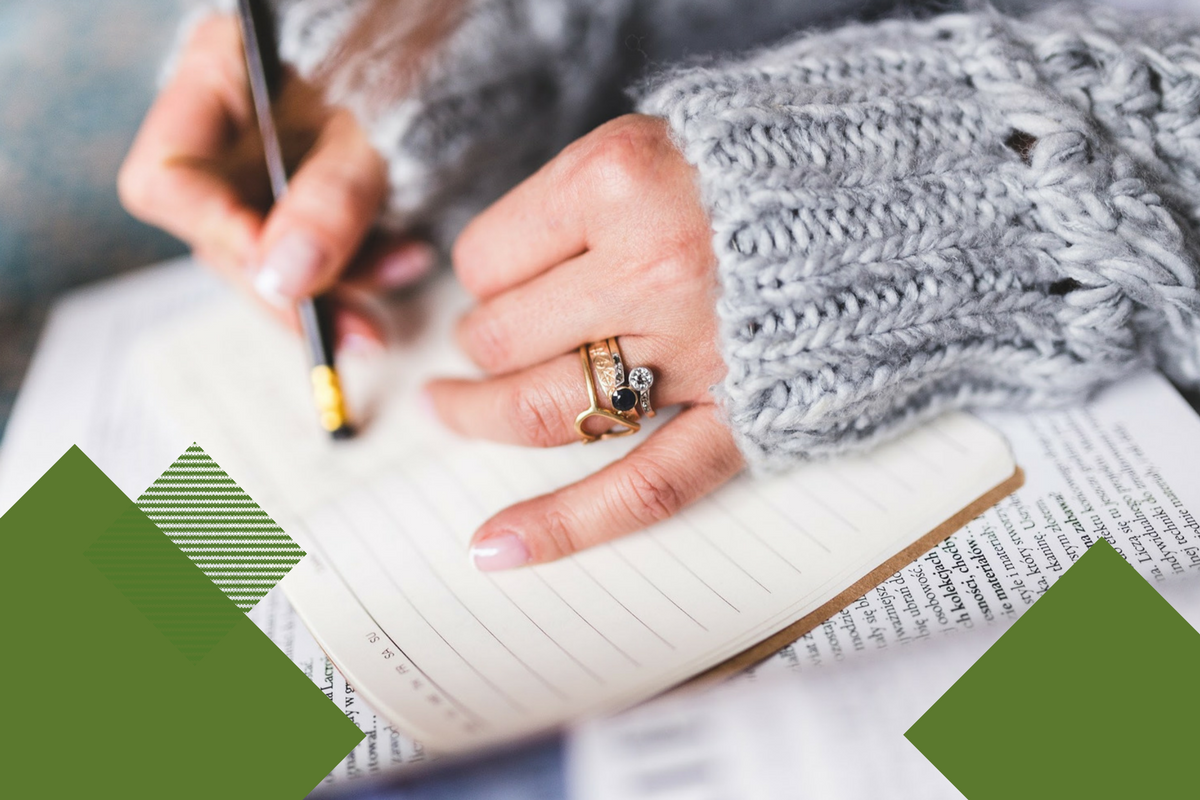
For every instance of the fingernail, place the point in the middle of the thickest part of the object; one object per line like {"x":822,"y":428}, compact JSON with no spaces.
{"x":360,"y":345}
{"x":406,"y":265}
{"x":289,"y":269}
{"x":425,"y":401}
{"x":499,"y":552}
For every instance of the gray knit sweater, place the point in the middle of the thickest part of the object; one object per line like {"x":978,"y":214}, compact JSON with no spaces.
{"x":910,"y":216}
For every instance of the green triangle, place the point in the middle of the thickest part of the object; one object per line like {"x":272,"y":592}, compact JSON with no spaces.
{"x":109,"y":702}
{"x":1094,"y":692}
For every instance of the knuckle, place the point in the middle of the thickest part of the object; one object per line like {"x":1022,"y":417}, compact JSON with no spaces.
{"x":561,"y":534}
{"x":622,"y":160}
{"x":538,"y":420}
{"x":667,"y":273}
{"x":647,"y":494}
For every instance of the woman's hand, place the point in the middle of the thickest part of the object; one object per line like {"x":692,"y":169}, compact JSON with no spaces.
{"x":608,"y":239}
{"x":196,"y":170}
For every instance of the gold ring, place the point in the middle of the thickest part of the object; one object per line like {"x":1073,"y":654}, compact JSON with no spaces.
{"x":604,"y":359}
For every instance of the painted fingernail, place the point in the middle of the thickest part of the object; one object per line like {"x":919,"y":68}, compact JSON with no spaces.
{"x":289,"y":269}
{"x":409,"y":264}
{"x":425,"y":401}
{"x":361,"y":345}
{"x":499,"y":552}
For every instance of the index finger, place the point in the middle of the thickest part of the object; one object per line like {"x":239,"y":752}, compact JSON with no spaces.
{"x":678,"y":464}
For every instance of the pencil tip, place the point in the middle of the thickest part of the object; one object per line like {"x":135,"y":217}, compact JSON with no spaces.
{"x":342,"y":433}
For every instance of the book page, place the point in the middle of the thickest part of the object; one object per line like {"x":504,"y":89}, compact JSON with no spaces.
{"x":84,"y":388}
{"x":1121,"y":467}
{"x":384,"y":747}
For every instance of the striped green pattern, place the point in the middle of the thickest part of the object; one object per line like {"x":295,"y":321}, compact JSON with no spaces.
{"x":220,"y":528}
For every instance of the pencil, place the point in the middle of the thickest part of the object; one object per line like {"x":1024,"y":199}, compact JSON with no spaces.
{"x":262,"y":65}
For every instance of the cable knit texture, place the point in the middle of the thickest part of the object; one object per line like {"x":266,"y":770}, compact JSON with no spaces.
{"x":970,"y":211}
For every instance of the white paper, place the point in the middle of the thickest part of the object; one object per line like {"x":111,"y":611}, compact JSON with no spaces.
{"x":1122,"y":467}
{"x":83,"y":388}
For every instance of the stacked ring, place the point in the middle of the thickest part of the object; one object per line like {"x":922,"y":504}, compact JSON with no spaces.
{"x":623,"y":393}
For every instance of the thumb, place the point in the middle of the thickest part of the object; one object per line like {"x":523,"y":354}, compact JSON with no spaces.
{"x":312,"y":234}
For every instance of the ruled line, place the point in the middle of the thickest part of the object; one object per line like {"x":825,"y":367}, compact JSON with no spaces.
{"x":474,"y":501}
{"x":604,"y":588}
{"x":588,"y":622}
{"x":771,"y":504}
{"x":653,"y":538}
{"x":924,"y":459}
{"x":948,"y":439}
{"x":504,"y":480}
{"x":833,"y":511}
{"x":373,"y":492}
{"x":700,"y":532}
{"x":654,"y":585}
{"x":836,"y":474}
{"x":887,"y":472}
{"x":392,"y":580}
{"x":629,"y":611}
{"x":315,"y":542}
{"x":733,"y":518}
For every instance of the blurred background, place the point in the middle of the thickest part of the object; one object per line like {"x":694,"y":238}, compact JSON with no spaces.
{"x":76,"y":76}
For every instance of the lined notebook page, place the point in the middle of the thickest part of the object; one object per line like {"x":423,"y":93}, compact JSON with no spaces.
{"x":459,"y":658}
{"x":238,"y":385}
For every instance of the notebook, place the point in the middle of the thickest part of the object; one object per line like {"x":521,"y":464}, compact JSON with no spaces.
{"x":461,"y":659}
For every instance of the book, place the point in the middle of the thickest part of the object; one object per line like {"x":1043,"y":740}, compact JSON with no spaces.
{"x":460,"y":659}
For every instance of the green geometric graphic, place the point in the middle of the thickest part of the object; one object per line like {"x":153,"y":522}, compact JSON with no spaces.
{"x":112,"y":699}
{"x":170,"y":591}
{"x":216,"y":524}
{"x":1094,"y":693}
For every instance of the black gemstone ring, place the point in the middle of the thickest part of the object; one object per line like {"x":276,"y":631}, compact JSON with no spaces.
{"x":630,"y":392}
{"x":627,"y":392}
{"x":624,"y":399}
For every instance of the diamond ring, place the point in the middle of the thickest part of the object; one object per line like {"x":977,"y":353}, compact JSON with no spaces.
{"x":627,"y":392}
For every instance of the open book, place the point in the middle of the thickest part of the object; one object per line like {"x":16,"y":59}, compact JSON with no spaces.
{"x":461,"y":659}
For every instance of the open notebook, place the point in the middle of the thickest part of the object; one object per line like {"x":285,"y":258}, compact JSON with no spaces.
{"x":461,"y":659}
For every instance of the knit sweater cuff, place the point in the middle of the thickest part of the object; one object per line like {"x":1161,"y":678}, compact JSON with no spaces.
{"x":968,"y":211}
